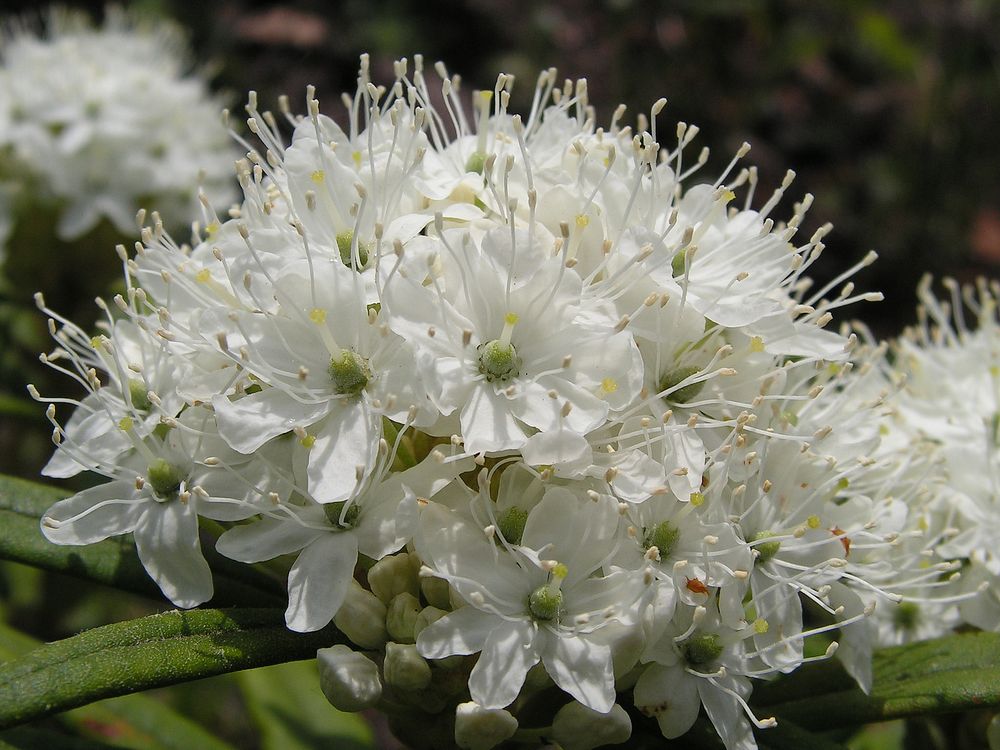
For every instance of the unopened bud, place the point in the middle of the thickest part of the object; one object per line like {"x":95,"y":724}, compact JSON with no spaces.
{"x":404,"y":668}
{"x":401,"y":617}
{"x":478,"y":728}
{"x":436,"y":591}
{"x":577,"y":727}
{"x":362,"y":617}
{"x":394,"y":574}
{"x":349,"y":680}
{"x":427,"y":616}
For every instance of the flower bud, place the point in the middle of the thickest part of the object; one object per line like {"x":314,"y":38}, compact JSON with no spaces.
{"x":478,"y":728}
{"x":362,"y":617}
{"x":437,"y":592}
{"x":404,"y":668}
{"x":401,"y":617}
{"x":349,"y":680}
{"x":426,"y":616}
{"x":577,"y":727}
{"x":393,"y":575}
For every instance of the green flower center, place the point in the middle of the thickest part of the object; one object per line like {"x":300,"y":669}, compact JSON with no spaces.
{"x":545,"y":603}
{"x":701,"y":649}
{"x":139,"y":395}
{"x":498,"y":360}
{"x":476,"y":162}
{"x":349,"y":372}
{"x":663,"y":536}
{"x":333,"y":511}
{"x":511,"y":524}
{"x":767,"y":550}
{"x":673,"y":377}
{"x":164,"y":478}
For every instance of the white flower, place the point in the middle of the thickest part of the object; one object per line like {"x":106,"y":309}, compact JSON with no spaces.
{"x":99,"y":119}
{"x":330,"y":370}
{"x":328,"y":538}
{"x":698,"y":661}
{"x":136,"y":366}
{"x":675,"y":453}
{"x":522,"y":609}
{"x":510,"y":341}
{"x":157,"y":493}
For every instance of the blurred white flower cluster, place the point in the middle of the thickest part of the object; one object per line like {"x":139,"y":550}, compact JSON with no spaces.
{"x":541,"y":418}
{"x":100,"y":121}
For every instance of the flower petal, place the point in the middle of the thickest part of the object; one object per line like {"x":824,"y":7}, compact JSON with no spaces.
{"x":463,"y":631}
{"x":509,"y":652}
{"x":265,"y":539}
{"x":249,"y":422}
{"x":94,"y":515}
{"x":318,"y":581}
{"x":347,"y":439}
{"x":168,"y":545}
{"x":582,"y":668}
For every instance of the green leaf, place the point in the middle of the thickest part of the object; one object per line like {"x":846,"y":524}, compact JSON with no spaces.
{"x":149,"y":652}
{"x":290,"y":712}
{"x":114,"y":561}
{"x":951,"y":674}
{"x":129,"y":721}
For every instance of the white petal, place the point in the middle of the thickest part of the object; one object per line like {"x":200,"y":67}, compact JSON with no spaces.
{"x":249,"y":422}
{"x":265,"y":539}
{"x":856,"y":640}
{"x":104,"y":443}
{"x":565,"y":449}
{"x":377,"y":528}
{"x":583,"y":669}
{"x":459,"y":551}
{"x":94,"y":515}
{"x":347,"y":439}
{"x":783,"y":611}
{"x":168,"y":546}
{"x":574,"y":529}
{"x":727,"y":714}
{"x":487,"y":423}
{"x":318,"y":581}
{"x":507,"y":655}
{"x":464,"y":631}
{"x":670,"y":696}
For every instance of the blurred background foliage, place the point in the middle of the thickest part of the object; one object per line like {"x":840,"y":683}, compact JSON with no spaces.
{"x":888,"y":110}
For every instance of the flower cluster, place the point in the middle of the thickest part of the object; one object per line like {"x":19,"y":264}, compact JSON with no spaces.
{"x":949,"y":402}
{"x":537,"y":417}
{"x":99,"y":121}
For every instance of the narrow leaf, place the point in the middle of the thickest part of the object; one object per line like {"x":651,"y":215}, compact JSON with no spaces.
{"x":114,"y":561}
{"x":955,"y":673}
{"x":131,"y":721}
{"x":149,"y":652}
